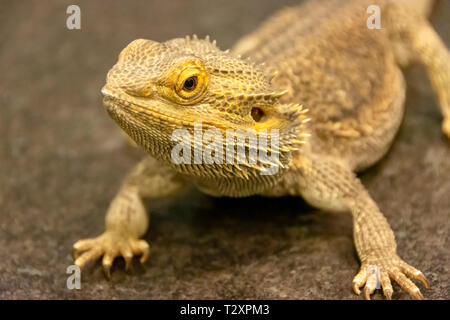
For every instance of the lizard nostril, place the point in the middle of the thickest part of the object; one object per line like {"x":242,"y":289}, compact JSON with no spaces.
{"x":257,"y":114}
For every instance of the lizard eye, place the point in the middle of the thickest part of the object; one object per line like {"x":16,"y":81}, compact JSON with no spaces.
{"x":190,"y":84}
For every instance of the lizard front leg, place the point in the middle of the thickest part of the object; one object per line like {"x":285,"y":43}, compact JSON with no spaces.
{"x":127,"y":219}
{"x":328,"y":184}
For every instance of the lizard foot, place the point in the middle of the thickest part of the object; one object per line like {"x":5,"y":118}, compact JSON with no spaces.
{"x":380,"y":271}
{"x":110,"y":245}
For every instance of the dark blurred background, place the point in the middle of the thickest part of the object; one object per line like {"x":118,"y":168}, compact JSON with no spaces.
{"x":62,"y":160}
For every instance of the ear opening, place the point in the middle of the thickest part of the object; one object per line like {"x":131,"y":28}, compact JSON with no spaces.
{"x":258,"y":114}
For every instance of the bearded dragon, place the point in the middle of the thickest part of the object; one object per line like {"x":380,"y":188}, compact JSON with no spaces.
{"x":318,"y":61}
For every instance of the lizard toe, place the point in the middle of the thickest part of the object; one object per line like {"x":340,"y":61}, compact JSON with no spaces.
{"x":377,"y":274}
{"x":110,"y":245}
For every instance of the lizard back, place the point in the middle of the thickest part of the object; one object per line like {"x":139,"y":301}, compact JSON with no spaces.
{"x":338,"y":68}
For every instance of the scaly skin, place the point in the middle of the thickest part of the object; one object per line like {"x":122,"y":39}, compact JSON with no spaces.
{"x":328,"y":60}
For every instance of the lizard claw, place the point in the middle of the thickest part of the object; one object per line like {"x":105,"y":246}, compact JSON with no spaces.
{"x":377,"y":274}
{"x":446,"y":126}
{"x":110,"y":245}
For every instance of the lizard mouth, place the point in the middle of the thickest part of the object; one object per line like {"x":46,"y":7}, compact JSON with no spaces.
{"x":146,"y":114}
{"x":113,"y":104}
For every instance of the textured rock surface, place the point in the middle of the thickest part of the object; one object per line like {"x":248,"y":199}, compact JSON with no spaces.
{"x":62,"y":159}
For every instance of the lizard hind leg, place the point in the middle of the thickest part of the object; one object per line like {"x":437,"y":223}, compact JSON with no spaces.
{"x":410,"y":31}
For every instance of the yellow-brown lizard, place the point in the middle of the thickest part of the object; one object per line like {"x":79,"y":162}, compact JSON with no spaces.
{"x":321,"y":55}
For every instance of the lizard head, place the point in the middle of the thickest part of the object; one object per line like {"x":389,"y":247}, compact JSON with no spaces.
{"x":157,"y":88}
